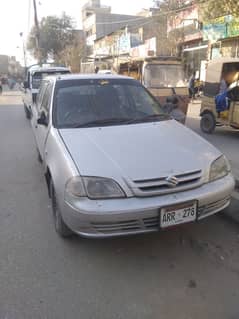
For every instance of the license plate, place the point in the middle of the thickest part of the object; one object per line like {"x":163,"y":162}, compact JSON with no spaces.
{"x":178,"y":214}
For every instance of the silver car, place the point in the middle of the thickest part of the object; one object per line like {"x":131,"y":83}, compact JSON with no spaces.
{"x":115,"y":164}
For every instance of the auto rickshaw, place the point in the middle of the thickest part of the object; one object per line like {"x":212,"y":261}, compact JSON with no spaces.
{"x":218,"y":70}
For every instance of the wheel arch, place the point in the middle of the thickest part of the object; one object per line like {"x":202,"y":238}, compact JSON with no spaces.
{"x":48,"y":178}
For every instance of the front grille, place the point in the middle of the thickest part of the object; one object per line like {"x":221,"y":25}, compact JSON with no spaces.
{"x":114,"y":227}
{"x":209,"y":208}
{"x":151,"y":222}
{"x":126,"y":226}
{"x":160,"y":185}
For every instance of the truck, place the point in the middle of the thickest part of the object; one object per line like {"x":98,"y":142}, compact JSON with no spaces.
{"x":34,"y":76}
{"x":163,"y":76}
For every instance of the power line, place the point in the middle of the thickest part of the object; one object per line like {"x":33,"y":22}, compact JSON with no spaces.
{"x":122,"y":21}
{"x":163,"y":13}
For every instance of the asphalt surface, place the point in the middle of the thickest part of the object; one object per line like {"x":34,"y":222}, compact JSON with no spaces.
{"x":191,"y":272}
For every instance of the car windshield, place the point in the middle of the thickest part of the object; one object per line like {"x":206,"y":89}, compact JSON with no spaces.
{"x":38,"y":76}
{"x":164,"y":75}
{"x":103,"y":102}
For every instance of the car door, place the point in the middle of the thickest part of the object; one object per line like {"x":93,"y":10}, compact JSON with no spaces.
{"x":43,"y":108}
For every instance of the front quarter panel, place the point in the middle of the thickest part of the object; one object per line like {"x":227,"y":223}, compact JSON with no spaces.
{"x":59,"y":162}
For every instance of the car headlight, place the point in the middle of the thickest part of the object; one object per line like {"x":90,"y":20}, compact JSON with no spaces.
{"x":94,"y":188}
{"x":219,"y":168}
{"x":75,"y":187}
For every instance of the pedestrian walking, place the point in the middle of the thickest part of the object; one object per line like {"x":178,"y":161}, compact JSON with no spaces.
{"x":191,"y":86}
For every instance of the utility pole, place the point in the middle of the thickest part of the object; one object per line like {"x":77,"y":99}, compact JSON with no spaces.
{"x":29,"y":15}
{"x":37,"y":36}
{"x":24,"y":50}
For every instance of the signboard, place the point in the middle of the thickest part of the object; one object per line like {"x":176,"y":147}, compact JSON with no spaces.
{"x":213,"y":32}
{"x":135,"y":40}
{"x":233,"y":28}
{"x":124,"y":43}
{"x":144,"y":50}
{"x":221,"y":28}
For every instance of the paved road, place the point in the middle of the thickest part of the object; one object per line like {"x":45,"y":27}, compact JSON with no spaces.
{"x":190,"y":272}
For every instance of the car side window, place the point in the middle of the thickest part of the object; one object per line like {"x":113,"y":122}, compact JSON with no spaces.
{"x":41,"y":94}
{"x":46,"y":99}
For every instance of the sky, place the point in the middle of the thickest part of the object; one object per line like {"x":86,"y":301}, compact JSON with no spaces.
{"x":16,"y":16}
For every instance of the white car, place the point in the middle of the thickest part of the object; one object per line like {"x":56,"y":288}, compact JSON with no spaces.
{"x":115,"y":164}
{"x":35,"y":74}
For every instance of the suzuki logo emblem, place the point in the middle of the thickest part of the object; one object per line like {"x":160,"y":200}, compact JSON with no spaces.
{"x":172,"y":181}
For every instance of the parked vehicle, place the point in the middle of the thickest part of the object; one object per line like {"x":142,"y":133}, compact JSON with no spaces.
{"x":105,"y":71}
{"x":115,"y":164}
{"x":31,"y":86}
{"x":163,"y":76}
{"x":215,"y":112}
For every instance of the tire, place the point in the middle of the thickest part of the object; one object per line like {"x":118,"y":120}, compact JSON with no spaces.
{"x":208,"y":123}
{"x":61,"y":228}
{"x":27,"y":112}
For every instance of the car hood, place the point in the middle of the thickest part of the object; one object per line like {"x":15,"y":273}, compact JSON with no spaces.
{"x":138,"y":151}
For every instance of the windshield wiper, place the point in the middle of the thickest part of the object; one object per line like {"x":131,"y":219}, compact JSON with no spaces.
{"x":123,"y":120}
{"x":151,"y":117}
{"x":103,"y":122}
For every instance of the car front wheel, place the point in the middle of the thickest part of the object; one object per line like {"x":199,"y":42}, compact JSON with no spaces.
{"x":61,"y":228}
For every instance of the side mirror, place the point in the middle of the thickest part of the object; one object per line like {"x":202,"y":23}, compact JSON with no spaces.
{"x":42,"y":120}
{"x":25,"y":85}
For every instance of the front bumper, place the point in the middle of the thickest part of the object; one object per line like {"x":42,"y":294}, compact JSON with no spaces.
{"x":117,"y":217}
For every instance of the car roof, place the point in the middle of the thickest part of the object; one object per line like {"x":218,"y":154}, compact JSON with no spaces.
{"x":90,"y":76}
{"x":49,"y":69}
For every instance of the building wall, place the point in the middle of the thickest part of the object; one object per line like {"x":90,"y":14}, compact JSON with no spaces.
{"x":229,"y":48}
{"x":99,"y":25}
{"x":108,"y":23}
{"x":4,"y":64}
{"x":93,"y":6}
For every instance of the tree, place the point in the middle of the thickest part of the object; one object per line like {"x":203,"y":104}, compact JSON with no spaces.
{"x":55,"y":34}
{"x":213,"y":8}
{"x":71,"y":55}
{"x":169,"y":10}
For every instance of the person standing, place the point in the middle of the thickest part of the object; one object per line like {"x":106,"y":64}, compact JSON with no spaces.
{"x":191,"y":86}
{"x":223,"y":86}
{"x":0,"y":85}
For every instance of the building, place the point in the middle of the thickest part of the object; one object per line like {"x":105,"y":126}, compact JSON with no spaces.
{"x":184,"y":29}
{"x":10,"y":66}
{"x":98,"y":21}
{"x":143,"y":36}
{"x":223,"y":35}
{"x":4,"y":64}
{"x":73,"y":54}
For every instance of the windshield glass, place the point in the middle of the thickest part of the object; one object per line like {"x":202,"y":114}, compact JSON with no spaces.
{"x":164,"y":75}
{"x":103,"y":102}
{"x":38,"y":76}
